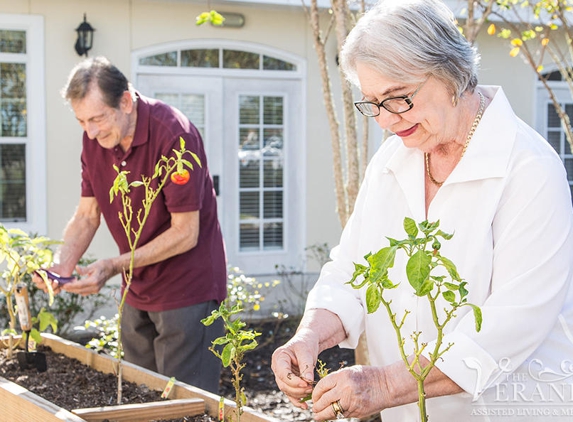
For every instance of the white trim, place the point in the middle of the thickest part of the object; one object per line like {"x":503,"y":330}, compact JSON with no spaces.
{"x":36,"y":124}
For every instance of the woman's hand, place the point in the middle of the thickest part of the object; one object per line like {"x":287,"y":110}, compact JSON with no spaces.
{"x":360,"y":391}
{"x":293,"y":366}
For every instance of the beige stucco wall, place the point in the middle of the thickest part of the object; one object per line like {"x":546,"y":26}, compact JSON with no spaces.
{"x":123,"y":26}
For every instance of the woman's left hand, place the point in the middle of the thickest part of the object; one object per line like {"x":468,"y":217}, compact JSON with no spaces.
{"x":359,"y":391}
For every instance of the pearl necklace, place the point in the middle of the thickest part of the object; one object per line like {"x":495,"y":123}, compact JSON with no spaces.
{"x":470,"y":134}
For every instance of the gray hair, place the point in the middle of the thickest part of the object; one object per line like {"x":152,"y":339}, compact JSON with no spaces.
{"x":409,"y":40}
{"x":97,"y":71}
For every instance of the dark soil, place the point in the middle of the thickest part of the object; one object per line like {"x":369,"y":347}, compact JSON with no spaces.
{"x":72,"y":385}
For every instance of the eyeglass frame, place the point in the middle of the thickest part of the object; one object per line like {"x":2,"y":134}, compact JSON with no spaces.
{"x":407,"y":98}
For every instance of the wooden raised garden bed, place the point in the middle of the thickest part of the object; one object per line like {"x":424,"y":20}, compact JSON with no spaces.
{"x":19,"y":404}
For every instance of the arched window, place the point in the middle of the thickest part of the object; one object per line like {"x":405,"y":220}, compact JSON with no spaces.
{"x":219,"y":58}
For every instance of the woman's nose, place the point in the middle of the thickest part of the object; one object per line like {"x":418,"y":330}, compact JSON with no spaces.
{"x":386,"y":119}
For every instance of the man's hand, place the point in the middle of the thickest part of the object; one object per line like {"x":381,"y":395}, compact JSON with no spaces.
{"x":41,"y":284}
{"x":92,"y":277}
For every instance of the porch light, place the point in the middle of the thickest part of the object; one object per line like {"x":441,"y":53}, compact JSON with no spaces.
{"x":85,"y":38}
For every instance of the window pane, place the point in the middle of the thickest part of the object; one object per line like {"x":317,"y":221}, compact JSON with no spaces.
{"x":273,"y":173}
{"x":200,"y":58}
{"x":13,"y":183}
{"x":569,"y":167}
{"x":249,"y":237}
{"x":249,"y":174}
{"x":164,"y":59}
{"x":273,"y":110}
{"x":193,"y":106}
{"x":273,"y":204}
{"x":12,"y":41}
{"x":13,"y":99}
{"x":249,"y":109}
{"x":233,"y":59}
{"x":554,"y":139}
{"x":273,"y":236}
{"x":270,"y":63}
{"x":249,"y":204}
{"x":249,"y":141}
{"x":273,"y":142}
{"x":553,"y":119}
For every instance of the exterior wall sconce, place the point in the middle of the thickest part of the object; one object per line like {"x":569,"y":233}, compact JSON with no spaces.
{"x":232,"y":20}
{"x":85,"y":38}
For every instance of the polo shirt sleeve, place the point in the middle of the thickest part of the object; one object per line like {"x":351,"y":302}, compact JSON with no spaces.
{"x":532,"y":233}
{"x":86,"y":185}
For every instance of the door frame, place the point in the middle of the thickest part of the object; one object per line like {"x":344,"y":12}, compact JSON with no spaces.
{"x":295,"y":177}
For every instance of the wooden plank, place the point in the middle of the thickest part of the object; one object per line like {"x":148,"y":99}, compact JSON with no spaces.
{"x":19,"y":404}
{"x":153,"y":380}
{"x":169,"y":409}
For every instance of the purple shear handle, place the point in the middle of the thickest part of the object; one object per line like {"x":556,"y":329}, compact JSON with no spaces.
{"x":53,"y":276}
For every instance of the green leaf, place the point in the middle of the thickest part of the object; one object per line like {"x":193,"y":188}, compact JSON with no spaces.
{"x":410,"y":227}
{"x":451,"y":286}
{"x":449,"y":296}
{"x":47,"y":319}
{"x":220,"y":341}
{"x":477,"y":316}
{"x":418,"y":272}
{"x":228,"y":354}
{"x":359,"y":270}
{"x":210,"y":319}
{"x":36,"y":336}
{"x":450,"y":267}
{"x":373,"y":298}
{"x":380,"y":262}
{"x":196,"y":158}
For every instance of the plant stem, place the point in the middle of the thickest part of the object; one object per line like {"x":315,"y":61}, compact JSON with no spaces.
{"x":422,"y":401}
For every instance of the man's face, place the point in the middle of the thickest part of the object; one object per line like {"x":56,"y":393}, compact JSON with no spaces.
{"x":109,"y":126}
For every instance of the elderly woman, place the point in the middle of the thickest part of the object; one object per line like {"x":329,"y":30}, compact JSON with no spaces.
{"x":461,"y":156}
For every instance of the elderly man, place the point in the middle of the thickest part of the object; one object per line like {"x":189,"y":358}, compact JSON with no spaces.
{"x":180,"y":265}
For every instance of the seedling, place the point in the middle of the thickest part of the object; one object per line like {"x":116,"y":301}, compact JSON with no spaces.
{"x":445,"y":289}
{"x":133,"y":229}
{"x":235,"y":343}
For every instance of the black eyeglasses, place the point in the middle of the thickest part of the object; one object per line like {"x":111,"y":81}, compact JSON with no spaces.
{"x":396,"y":105}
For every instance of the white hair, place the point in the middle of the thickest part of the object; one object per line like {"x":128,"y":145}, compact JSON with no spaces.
{"x":409,"y":40}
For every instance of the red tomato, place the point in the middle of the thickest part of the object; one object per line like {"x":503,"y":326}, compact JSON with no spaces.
{"x":180,"y":178}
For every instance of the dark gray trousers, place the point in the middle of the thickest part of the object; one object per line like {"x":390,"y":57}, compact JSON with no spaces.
{"x":174,"y":343}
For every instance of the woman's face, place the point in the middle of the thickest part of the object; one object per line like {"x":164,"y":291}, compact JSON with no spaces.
{"x":430,"y":122}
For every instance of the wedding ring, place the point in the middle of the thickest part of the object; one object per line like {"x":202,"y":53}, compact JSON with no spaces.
{"x":338,"y":410}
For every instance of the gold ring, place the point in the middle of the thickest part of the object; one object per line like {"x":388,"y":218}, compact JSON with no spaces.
{"x":338,"y":410}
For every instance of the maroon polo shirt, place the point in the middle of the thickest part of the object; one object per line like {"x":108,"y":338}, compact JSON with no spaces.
{"x":195,"y":276}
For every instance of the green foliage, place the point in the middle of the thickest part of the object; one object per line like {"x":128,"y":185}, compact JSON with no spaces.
{"x":234,"y":345}
{"x":215,"y":18}
{"x":20,"y":256}
{"x":430,"y":275}
{"x":107,"y":330}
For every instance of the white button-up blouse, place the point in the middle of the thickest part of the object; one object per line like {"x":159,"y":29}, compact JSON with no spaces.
{"x":508,"y":205}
